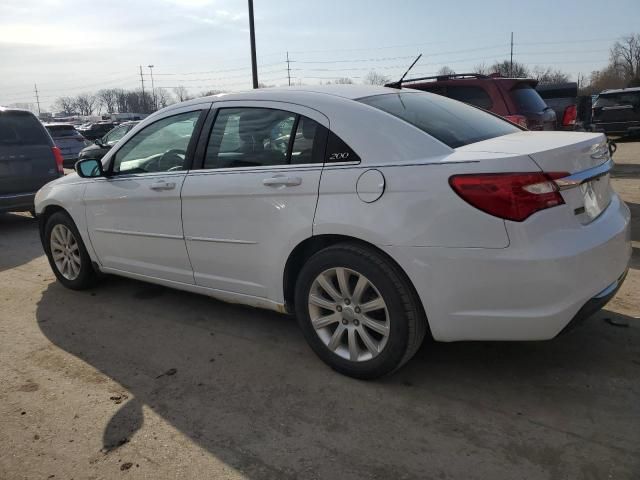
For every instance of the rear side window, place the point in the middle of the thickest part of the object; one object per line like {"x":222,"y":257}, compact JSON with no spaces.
{"x":21,"y":128}
{"x":59,"y":131}
{"x":263,"y":137}
{"x":338,"y":151}
{"x":476,"y":96}
{"x":618,"y":99}
{"x":527,"y":99}
{"x":453,"y":123}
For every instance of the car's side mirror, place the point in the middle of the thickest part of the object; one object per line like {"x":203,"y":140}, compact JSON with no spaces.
{"x":89,"y":168}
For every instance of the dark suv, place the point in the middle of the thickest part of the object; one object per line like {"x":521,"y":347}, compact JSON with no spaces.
{"x":617,"y":112}
{"x":28,"y":159}
{"x":512,"y":98}
{"x":96,"y":130}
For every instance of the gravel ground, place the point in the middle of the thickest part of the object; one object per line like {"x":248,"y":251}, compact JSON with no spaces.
{"x":139,"y":381}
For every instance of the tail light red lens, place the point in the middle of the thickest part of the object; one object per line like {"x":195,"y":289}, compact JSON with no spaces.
{"x":59,"y":160}
{"x":569,"y":116}
{"x":518,"y":120}
{"x":512,"y":196}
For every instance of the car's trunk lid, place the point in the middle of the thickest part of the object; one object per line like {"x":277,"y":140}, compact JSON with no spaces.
{"x":583,"y":157}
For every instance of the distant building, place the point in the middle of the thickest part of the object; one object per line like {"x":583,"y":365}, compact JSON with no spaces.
{"x":122,"y":117}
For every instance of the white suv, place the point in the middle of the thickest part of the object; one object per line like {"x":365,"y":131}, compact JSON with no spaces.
{"x":375,"y":215}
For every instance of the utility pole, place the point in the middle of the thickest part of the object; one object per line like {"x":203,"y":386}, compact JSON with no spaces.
{"x":144,"y":102}
{"x":511,"y":62}
{"x":288,"y":70}
{"x":37,"y":97}
{"x":252,"y":35}
{"x":153,"y":89}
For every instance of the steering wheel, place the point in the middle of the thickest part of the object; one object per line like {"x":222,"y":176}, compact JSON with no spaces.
{"x":171,"y":160}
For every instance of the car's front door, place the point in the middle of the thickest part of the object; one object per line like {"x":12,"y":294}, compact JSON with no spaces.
{"x":255,"y":197}
{"x":134,"y":215}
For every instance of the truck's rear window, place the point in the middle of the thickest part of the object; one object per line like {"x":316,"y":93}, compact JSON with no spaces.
{"x":62,"y":131}
{"x":453,"y":123}
{"x":21,"y":128}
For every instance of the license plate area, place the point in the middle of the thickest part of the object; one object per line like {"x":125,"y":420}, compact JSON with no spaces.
{"x":595,"y":196}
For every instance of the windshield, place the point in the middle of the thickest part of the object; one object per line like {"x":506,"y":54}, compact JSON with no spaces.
{"x":527,"y":99}
{"x":21,"y":128}
{"x":617,"y":99}
{"x":453,"y":123}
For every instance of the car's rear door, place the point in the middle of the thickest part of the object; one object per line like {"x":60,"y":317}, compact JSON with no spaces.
{"x":27,"y":161}
{"x":134,"y":214}
{"x":255,"y":197}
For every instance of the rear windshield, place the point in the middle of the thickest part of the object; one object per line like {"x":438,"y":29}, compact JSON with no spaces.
{"x":527,"y":99}
{"x":453,"y":123}
{"x":21,"y":128}
{"x":617,"y":99}
{"x":62,"y":130}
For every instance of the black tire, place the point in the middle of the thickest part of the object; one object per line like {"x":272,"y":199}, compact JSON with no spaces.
{"x":87,"y":276}
{"x":407,"y":322}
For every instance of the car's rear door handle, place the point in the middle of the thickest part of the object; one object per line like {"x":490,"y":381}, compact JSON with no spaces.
{"x":162,"y":185}
{"x":280,"y":181}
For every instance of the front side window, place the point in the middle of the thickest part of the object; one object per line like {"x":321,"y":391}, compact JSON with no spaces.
{"x":453,"y":123}
{"x":258,"y":137}
{"x":160,"y":147}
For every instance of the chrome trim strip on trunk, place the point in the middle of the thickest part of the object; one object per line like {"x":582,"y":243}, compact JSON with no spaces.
{"x":581,"y":177}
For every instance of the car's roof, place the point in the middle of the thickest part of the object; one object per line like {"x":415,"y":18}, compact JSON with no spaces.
{"x":59,"y":125}
{"x":311,"y":93}
{"x":620,"y":90}
{"x":17,"y":110}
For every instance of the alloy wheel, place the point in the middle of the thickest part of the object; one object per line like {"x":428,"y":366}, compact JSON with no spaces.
{"x":65,"y":251}
{"x":349,"y":314}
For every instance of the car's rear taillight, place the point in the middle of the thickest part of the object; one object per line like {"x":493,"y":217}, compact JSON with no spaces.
{"x":518,"y":120}
{"x":569,"y":116}
{"x":512,"y":196}
{"x":59,"y":160}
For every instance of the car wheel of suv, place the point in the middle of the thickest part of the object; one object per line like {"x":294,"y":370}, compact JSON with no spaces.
{"x":358,"y":311}
{"x":67,"y":254}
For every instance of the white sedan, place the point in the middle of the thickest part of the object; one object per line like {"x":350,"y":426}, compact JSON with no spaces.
{"x":376,"y":215}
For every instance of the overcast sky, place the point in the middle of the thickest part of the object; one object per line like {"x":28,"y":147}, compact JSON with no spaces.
{"x":72,"y":46}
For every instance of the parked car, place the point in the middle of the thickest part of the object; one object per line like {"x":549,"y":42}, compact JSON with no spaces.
{"x":563,"y":98}
{"x":96,"y":130}
{"x":512,"y":98}
{"x":28,"y":159}
{"x":102,"y":145}
{"x":69,"y":140}
{"x":617,"y":112}
{"x":376,"y":215}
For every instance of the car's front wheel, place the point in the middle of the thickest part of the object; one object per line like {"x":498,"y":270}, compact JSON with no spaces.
{"x":358,"y":311}
{"x":67,"y":254}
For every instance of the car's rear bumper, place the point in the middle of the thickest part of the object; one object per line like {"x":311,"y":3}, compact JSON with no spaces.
{"x":17,"y":202}
{"x":530,"y":290}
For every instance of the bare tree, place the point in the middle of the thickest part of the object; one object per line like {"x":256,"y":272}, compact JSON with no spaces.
{"x":375,"y":78}
{"x":181,"y":93}
{"x":343,"y":81}
{"x":108,"y":98}
{"x":505,"y":69}
{"x":625,"y":55}
{"x":65,"y":105}
{"x":481,"y":69}
{"x":163,"y":97}
{"x":85,"y":103}
{"x":446,"y":71}
{"x":548,"y":75}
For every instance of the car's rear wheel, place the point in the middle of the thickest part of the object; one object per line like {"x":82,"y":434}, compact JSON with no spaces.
{"x":358,"y":311}
{"x":67,"y":254}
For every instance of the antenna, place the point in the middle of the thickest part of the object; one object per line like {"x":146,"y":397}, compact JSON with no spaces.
{"x":398,"y":84}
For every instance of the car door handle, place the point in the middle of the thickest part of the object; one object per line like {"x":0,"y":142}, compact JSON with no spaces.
{"x":162,"y":185}
{"x":280,"y":181}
